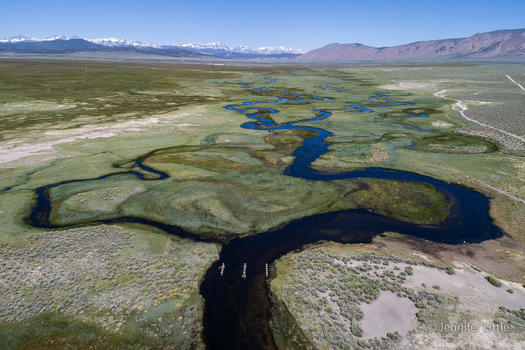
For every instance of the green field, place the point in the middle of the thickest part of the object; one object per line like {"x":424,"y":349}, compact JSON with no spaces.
{"x":60,"y":124}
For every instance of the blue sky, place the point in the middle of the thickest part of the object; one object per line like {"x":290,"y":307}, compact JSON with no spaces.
{"x":303,"y":24}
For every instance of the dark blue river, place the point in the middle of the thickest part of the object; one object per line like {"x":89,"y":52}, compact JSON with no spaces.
{"x":237,"y":310}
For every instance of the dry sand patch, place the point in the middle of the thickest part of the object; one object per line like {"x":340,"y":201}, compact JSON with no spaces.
{"x":388,"y":314}
{"x":471,"y":288}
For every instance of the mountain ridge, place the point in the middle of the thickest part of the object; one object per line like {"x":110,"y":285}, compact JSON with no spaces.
{"x":499,"y":43}
{"x":68,"y":45}
{"x":504,"y":43}
{"x":216,"y":49}
{"x":269,"y":50}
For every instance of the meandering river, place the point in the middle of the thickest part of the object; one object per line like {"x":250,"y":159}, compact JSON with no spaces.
{"x":238,"y":310}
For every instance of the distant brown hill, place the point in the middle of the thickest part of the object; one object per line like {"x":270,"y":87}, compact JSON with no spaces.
{"x":500,"y":43}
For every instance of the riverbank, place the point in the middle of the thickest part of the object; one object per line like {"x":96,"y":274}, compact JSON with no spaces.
{"x":368,"y":296}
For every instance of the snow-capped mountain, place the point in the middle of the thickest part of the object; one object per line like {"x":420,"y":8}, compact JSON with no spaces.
{"x":264,"y":50}
{"x":212,"y":46}
{"x":114,"y":42}
{"x":20,"y":38}
{"x":63,"y":43}
{"x":268,"y":50}
{"x":109,"y":42}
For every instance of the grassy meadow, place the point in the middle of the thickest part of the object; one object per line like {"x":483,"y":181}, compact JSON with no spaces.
{"x":134,"y":286}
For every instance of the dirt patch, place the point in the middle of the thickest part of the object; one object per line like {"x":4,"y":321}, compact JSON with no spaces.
{"x":471,"y":287}
{"x":43,"y":143}
{"x":388,"y":314}
{"x":501,"y":257}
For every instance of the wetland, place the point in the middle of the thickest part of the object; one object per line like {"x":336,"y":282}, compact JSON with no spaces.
{"x":295,"y":156}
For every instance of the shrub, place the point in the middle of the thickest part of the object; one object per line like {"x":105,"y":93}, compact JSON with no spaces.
{"x":493,"y":281}
{"x":393,"y":336}
{"x":420,"y":304}
{"x":356,"y":330}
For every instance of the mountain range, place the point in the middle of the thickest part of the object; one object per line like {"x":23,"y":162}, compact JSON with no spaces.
{"x":500,"y":43}
{"x":220,"y":50}
{"x":496,"y":44}
{"x":66,"y":44}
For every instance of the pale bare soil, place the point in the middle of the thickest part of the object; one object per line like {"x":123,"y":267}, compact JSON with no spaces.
{"x":41,"y":143}
{"x":388,"y":313}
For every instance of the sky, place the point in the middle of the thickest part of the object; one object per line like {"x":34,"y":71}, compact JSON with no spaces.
{"x":301,"y":24}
